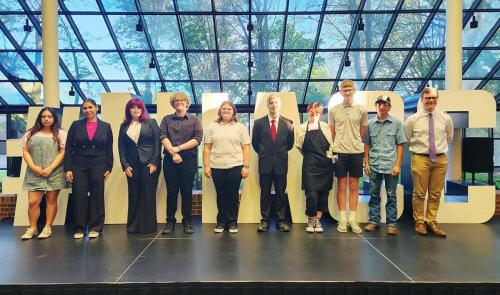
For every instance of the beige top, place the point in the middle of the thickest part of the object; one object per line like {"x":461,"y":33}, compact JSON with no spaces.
{"x":348,"y":120}
{"x":417,"y":132}
{"x":226,"y":140}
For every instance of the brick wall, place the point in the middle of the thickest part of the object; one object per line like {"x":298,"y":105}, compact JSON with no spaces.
{"x":497,"y":208}
{"x":196,"y":210}
{"x":7,"y":206}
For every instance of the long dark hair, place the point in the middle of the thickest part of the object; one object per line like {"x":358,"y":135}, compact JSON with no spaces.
{"x":39,"y":125}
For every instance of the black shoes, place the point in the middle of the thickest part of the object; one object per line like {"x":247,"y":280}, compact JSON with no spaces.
{"x":188,"y":227}
{"x":169,"y":228}
{"x":282,"y":226}
{"x":263,"y":226}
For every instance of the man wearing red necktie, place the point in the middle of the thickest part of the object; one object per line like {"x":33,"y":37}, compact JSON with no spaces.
{"x":428,"y":132}
{"x":272,"y":138}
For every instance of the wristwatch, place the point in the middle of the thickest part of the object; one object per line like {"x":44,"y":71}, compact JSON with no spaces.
{"x":246,"y":166}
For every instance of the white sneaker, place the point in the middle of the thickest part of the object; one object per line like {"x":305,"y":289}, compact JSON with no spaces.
{"x":317,"y":226}
{"x":93,"y":234}
{"x":342,"y":226}
{"x":354,"y":225}
{"x":78,"y":235}
{"x":46,"y":233}
{"x":310,"y":225}
{"x":30,"y":232}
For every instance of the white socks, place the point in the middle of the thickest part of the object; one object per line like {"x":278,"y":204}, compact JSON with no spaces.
{"x":343,"y":216}
{"x":352,"y":216}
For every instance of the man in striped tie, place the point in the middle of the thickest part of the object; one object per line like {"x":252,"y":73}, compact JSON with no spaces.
{"x":428,"y":132}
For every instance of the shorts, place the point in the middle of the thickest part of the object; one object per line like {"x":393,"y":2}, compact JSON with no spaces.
{"x":349,"y":164}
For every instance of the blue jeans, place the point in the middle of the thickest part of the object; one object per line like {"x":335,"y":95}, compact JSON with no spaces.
{"x":391,"y":211}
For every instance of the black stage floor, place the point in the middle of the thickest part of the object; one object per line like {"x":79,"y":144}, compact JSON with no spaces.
{"x":470,"y":254}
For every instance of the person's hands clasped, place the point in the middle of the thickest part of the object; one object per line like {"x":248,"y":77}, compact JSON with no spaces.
{"x":46,"y":172}
{"x":128,"y":171}
{"x":106,"y":175}
{"x":244,"y":172}
{"x":37,"y":170}
{"x":152,"y":168}
{"x":177,"y":158}
{"x":69,"y":176}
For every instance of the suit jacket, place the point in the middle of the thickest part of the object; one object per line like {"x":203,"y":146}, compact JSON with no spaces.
{"x":147,"y":148}
{"x":78,"y":143}
{"x":273,"y":154}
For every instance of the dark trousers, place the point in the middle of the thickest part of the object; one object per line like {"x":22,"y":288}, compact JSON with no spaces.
{"x":179,"y":177}
{"x":142,"y":199}
{"x":227,"y":185}
{"x":316,"y":201}
{"x":88,"y":177}
{"x":266,"y":183}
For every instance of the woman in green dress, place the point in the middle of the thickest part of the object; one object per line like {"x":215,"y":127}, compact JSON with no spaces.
{"x":43,"y":150}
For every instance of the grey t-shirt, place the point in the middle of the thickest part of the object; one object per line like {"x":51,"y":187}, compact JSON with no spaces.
{"x":226,"y":140}
{"x":347,"y":121}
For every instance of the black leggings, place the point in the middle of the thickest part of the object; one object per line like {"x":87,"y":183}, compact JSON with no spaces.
{"x":316,"y":201}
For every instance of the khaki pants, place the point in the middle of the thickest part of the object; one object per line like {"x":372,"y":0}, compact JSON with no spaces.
{"x":429,"y":177}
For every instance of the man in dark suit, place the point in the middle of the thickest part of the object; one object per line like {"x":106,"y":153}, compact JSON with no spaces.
{"x":272,"y":138}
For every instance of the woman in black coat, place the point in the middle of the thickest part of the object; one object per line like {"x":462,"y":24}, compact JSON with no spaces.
{"x":88,"y":162}
{"x":139,"y":147}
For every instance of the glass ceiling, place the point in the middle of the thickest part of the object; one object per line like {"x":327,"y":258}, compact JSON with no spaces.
{"x":242,"y":47}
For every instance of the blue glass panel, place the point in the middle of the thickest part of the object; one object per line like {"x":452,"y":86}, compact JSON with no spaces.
{"x":301,"y":31}
{"x":205,"y":87}
{"x":483,"y":64}
{"x":181,"y":86}
{"x":139,"y":66}
{"x":380,"y":4}
{"x":297,"y":87}
{"x":173,"y":66}
{"x":495,"y":40}
{"x":361,"y":61}
{"x":10,"y":6}
{"x":79,"y":65}
{"x":232,"y":32}
{"x":124,"y":29}
{"x":319,"y":91}
{"x":198,"y":31}
{"x":119,"y":6}
{"x":157,"y":5}
{"x":305,"y":5}
{"x":81,"y":5}
{"x":326,"y":65}
{"x":4,"y":42}
{"x":268,"y":31}
{"x":66,"y":35}
{"x":148,"y":90}
{"x":64,"y":88}
{"x":473,"y":37}
{"x":35,"y":5}
{"x":268,"y":5}
{"x":419,"y":4}
{"x":489,"y":4}
{"x":295,"y":65}
{"x":493,"y":87}
{"x":2,"y":76}
{"x":237,"y":91}
{"x":470,"y":84}
{"x":15,"y":66}
{"x":337,"y":5}
{"x":121,"y":87}
{"x":15,"y":25}
{"x":110,"y":65}
{"x":378,"y":85}
{"x":335,"y":30}
{"x":389,"y":64}
{"x":371,"y":36}
{"x":11,"y":95}
{"x":439,"y":72}
{"x":164,"y":31}
{"x":203,"y":66}
{"x":94,"y":31}
{"x":265,"y":65}
{"x":234,"y":66}
{"x":434,"y":36}
{"x":420,"y":63}
{"x":194,"y":5}
{"x":36,"y":59}
{"x":231,"y":5}
{"x":407,"y":88}
{"x":93,"y":90}
{"x":262,"y":87}
{"x":406,"y":29}
{"x":34,"y":90}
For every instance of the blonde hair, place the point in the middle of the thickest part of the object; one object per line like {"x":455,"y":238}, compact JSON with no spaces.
{"x":428,"y":90}
{"x":347,"y":83}
{"x":180,"y":95}
{"x":219,"y":115}
{"x":317,"y":106}
{"x":271,"y":97}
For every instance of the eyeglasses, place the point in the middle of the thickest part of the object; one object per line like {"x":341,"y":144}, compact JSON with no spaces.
{"x":430,"y":98}
{"x":349,"y":90}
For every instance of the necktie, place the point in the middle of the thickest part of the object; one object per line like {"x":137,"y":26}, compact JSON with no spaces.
{"x":273,"y":130}
{"x":432,"y":139}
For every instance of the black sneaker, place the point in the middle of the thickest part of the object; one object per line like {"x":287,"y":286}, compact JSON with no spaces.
{"x":219,"y":228}
{"x":169,"y":228}
{"x":233,"y":228}
{"x":188,"y":227}
{"x":263,"y":226}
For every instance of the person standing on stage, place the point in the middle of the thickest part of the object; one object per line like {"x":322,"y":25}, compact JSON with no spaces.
{"x":180,"y":135}
{"x":314,"y":140}
{"x":428,"y":132}
{"x":272,"y":137}
{"x":139,"y":149}
{"x":226,"y":158}
{"x":88,"y":162}
{"x":348,"y":123}
{"x":384,"y":139}
{"x":43,"y":150}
